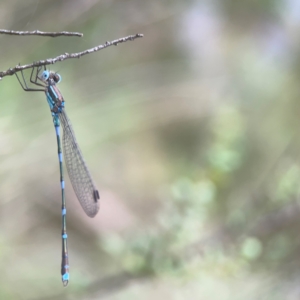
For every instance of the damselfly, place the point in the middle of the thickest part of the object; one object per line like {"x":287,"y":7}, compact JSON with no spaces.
{"x":79,"y":174}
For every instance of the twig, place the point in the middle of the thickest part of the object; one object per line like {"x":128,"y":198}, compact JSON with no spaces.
{"x":51,"y":61}
{"x":40,"y":33}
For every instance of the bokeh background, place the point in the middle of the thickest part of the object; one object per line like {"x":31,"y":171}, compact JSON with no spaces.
{"x":191,"y":133}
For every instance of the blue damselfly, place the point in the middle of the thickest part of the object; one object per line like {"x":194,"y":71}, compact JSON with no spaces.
{"x":79,"y":174}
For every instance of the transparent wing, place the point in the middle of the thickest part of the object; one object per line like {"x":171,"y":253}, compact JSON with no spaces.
{"x":79,"y":174}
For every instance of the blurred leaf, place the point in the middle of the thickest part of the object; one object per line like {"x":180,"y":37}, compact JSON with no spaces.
{"x":251,"y":248}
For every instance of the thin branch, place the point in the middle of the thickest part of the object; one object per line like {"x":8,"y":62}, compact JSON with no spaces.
{"x":51,"y":61}
{"x":40,"y":33}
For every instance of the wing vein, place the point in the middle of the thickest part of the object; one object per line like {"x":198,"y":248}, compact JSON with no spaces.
{"x":78,"y":171}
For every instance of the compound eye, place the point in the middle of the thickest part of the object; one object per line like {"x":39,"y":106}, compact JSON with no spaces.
{"x":57,"y":78}
{"x":45,"y":75}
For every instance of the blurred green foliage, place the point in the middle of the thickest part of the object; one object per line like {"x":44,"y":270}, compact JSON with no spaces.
{"x":191,"y":133}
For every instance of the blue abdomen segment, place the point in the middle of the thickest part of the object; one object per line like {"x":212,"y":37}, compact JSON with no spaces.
{"x":66,"y":277}
{"x":64,"y":236}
